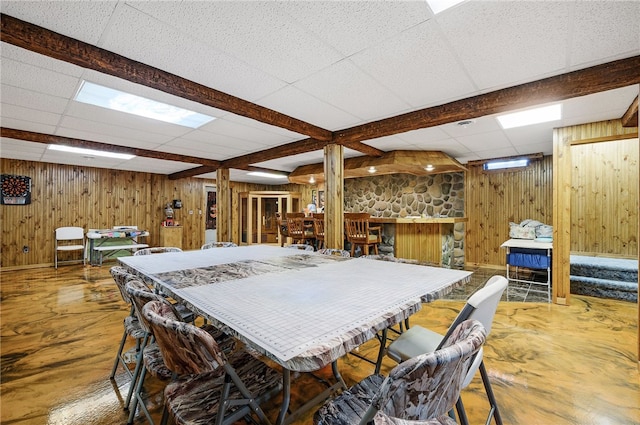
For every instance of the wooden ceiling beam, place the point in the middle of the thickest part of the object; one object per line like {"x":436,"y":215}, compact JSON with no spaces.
{"x":50,"y":139}
{"x":630,"y":117}
{"x":289,"y":149}
{"x":43,"y":41}
{"x":596,"y":79}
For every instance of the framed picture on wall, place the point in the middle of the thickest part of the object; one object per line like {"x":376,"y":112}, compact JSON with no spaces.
{"x":317,"y":197}
{"x":16,"y":190}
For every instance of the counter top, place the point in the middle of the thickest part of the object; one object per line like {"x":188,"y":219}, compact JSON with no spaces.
{"x":418,"y":220}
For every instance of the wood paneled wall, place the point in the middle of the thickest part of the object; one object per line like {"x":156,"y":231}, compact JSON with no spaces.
{"x":493,"y":199}
{"x":604,"y":198}
{"x":88,"y":197}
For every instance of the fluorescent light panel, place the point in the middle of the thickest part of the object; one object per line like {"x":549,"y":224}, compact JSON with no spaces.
{"x":499,"y":165}
{"x":117,"y":100}
{"x":438,"y":6}
{"x":90,"y":152}
{"x":267,"y":175}
{"x":531,"y":116}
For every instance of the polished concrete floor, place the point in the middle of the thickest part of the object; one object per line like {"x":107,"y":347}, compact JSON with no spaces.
{"x":549,"y":364}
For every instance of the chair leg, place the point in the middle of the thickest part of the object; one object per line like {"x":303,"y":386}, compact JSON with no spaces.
{"x":119,"y":355}
{"x":495,"y":412}
{"x":137,"y":370}
{"x":462,"y":415}
{"x":138,"y":401}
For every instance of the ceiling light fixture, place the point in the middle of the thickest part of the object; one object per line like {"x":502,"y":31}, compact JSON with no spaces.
{"x":531,"y":116}
{"x":372,"y":169}
{"x":502,"y":164}
{"x":465,"y":123}
{"x":267,"y":175}
{"x":94,"y":94}
{"x":312,"y":180}
{"x":429,"y":167}
{"x":90,"y":152}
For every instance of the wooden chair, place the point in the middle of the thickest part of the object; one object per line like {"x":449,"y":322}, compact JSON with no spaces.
{"x":318,"y":230}
{"x":283,"y":230}
{"x":298,"y":231}
{"x":359,"y":232}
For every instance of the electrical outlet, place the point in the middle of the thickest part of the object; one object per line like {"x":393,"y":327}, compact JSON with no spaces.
{"x":191,"y":212}
{"x":25,"y":249}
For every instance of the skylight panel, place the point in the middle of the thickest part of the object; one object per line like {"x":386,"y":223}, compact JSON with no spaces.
{"x":438,"y":6}
{"x":105,"y":97}
{"x":531,"y":116}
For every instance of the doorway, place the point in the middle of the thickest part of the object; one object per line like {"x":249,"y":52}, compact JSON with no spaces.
{"x":258,"y":212}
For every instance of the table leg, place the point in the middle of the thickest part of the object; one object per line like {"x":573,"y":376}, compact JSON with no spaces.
{"x":283,"y":418}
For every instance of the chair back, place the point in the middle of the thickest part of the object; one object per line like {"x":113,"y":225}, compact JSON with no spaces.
{"x":140,"y":295}
{"x":121,"y":276}
{"x":218,"y":245}
{"x":186,"y":349}
{"x":357,"y":228}
{"x":482,"y":305}
{"x":318,"y":226}
{"x":157,"y":250}
{"x":428,"y":386}
{"x":295,"y":227}
{"x":69,"y":233}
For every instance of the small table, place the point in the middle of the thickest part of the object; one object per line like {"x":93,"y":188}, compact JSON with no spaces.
{"x":530,"y":254}
{"x":102,"y":241}
{"x":300,"y":309}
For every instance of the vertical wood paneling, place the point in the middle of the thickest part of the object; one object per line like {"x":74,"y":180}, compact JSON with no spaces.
{"x":97,"y":198}
{"x":494,"y":199}
{"x":604,"y":198}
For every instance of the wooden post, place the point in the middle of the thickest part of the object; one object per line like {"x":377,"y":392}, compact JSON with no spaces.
{"x":224,"y":205}
{"x":560,"y":275}
{"x":334,"y":196}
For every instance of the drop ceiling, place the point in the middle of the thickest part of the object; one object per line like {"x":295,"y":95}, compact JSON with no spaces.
{"x":333,"y":64}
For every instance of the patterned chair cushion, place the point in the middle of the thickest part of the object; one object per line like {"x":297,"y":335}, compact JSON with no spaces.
{"x":419,"y":391}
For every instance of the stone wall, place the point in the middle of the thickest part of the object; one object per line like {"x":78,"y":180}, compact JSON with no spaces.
{"x":402,"y":195}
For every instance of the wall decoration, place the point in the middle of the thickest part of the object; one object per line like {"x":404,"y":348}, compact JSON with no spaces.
{"x":317,"y":198}
{"x":16,"y":190}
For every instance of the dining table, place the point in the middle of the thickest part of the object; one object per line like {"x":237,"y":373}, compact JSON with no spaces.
{"x":301,"y":309}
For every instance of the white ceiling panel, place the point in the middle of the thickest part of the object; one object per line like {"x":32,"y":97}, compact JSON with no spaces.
{"x":298,"y":104}
{"x":333,"y":64}
{"x":11,"y":95}
{"x":431,"y":77}
{"x":488,"y":38}
{"x":603,"y":30}
{"x":352,"y":26}
{"x":346,"y":87}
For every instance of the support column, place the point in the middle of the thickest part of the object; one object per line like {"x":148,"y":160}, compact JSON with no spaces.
{"x":334,"y":196}
{"x":223,"y":189}
{"x":560,"y":275}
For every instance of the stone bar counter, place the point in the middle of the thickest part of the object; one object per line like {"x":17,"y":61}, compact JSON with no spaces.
{"x":431,"y":240}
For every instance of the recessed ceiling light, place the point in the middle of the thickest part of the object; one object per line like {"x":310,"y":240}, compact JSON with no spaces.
{"x":372,"y":169}
{"x":429,"y":167}
{"x":117,"y":100}
{"x":90,"y":152}
{"x":267,"y":175}
{"x":312,"y":180}
{"x":531,"y":116}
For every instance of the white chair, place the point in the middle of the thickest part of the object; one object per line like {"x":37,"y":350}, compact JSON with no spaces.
{"x":480,"y":306}
{"x":69,"y":239}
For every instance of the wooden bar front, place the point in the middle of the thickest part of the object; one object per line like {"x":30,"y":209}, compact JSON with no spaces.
{"x":422,"y":239}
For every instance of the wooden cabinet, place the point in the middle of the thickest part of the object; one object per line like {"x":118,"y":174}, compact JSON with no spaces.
{"x":171,"y":236}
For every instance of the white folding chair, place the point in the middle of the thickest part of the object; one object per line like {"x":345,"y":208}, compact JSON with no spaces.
{"x":69,"y":239}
